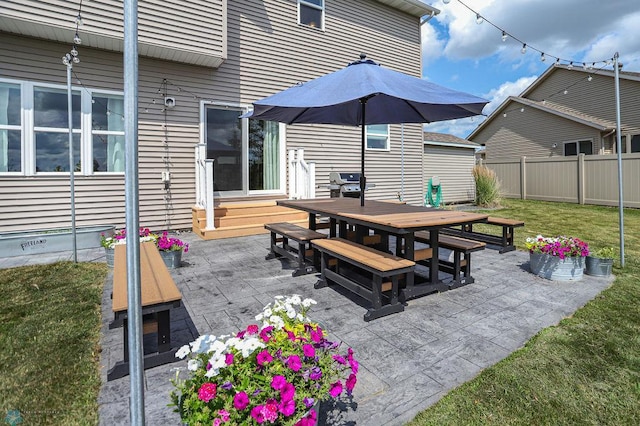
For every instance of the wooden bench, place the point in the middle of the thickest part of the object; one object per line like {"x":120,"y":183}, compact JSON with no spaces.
{"x":460,"y":267}
{"x":159,"y":294}
{"x":505,"y":242}
{"x":283,"y":232}
{"x":366,"y":272}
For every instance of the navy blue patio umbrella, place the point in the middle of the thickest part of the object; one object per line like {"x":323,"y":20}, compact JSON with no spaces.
{"x":366,"y":93}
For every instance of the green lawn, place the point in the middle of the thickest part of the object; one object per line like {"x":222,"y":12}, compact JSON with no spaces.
{"x":586,"y":370}
{"x":49,"y":342}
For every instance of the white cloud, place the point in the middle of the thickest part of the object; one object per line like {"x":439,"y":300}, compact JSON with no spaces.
{"x":580,"y":30}
{"x":432,"y":45}
{"x":463,"y":127}
{"x":510,"y":88}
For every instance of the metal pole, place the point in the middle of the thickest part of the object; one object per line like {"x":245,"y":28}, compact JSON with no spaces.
{"x":71,"y":164}
{"x":134,"y":304}
{"x":616,"y":67}
{"x":363,"y":180}
{"x":401,"y":162}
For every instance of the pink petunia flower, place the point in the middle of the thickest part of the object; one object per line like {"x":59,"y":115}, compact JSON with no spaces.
{"x":288,"y":392}
{"x":207,"y":392}
{"x":278,"y":382}
{"x":257,"y":414}
{"x":264,"y":357}
{"x":351,"y":383}
{"x":309,"y":350}
{"x":336,"y":389}
{"x":240,"y":401}
{"x":339,"y":359}
{"x":293,"y":362}
{"x":252,"y":329}
{"x":287,"y":407}
{"x":228,"y":359}
{"x":317,"y":335}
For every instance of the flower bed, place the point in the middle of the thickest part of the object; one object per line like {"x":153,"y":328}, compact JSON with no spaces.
{"x":273,"y":373}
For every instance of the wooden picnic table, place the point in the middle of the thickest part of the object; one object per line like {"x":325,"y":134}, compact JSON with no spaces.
{"x":397,"y":219}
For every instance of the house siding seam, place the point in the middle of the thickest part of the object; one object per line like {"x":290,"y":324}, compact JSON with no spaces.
{"x":265,"y":55}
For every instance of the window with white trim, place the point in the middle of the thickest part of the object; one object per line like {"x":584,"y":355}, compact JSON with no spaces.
{"x":377,"y":136}
{"x":34,"y":129}
{"x":311,"y":13}
{"x":578,"y":147}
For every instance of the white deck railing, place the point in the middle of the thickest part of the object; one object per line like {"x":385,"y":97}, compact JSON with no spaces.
{"x":204,"y":183}
{"x":302,"y":176}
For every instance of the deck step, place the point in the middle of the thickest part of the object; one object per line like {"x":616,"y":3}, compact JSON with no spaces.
{"x":239,"y":230}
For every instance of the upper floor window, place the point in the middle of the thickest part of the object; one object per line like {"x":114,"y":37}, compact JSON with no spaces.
{"x":34,"y":130}
{"x":311,"y":13}
{"x":378,"y":137}
{"x":578,"y":147}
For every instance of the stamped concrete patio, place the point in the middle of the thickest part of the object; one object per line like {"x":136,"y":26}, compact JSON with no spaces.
{"x":408,"y":360}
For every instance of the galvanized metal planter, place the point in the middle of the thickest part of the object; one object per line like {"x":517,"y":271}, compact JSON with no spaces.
{"x":172,"y":259}
{"x":598,"y":266}
{"x":554,"y":268}
{"x":51,"y":240}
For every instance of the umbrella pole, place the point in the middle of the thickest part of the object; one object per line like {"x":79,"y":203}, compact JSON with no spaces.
{"x":363,"y":179}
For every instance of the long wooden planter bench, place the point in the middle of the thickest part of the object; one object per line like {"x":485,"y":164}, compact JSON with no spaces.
{"x":282,"y":232}
{"x":366,"y":272}
{"x":159,"y":294}
{"x":462,"y":248}
{"x":505,"y":241}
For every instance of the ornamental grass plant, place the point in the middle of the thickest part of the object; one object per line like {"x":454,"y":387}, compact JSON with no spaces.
{"x":487,"y":187}
{"x":273,"y":373}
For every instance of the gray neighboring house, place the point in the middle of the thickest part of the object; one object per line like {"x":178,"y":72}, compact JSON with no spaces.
{"x":451,"y":159}
{"x":201,"y":65}
{"x":565,"y":112}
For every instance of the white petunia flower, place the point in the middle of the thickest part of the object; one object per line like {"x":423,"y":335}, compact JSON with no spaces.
{"x":276,"y":321}
{"x":183,"y":352}
{"x":201,"y":344}
{"x":194,"y":364}
{"x":295,"y":299}
{"x":308,"y":302}
{"x":291,"y":313}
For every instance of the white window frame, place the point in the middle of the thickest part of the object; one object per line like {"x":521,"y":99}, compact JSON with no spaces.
{"x":388,"y":139}
{"x":576,"y":142}
{"x":243,"y":108}
{"x":304,"y":3}
{"x":28,"y":128}
{"x":20,"y":127}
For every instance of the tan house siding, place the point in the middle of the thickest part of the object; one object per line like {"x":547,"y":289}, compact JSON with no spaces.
{"x":533,"y":132}
{"x":191,"y":31}
{"x":267,"y":52}
{"x":453,"y":166}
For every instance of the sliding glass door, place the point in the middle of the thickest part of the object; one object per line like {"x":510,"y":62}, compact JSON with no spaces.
{"x":248,"y":154}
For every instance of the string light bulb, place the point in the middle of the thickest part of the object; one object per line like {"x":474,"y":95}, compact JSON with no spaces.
{"x":77,"y":39}
{"x":542,"y":57}
{"x":566,"y":91}
{"x":522,"y":109}
{"x":504,"y":115}
{"x":590,"y":77}
{"x":504,"y":36}
{"x":479,"y":19}
{"x":524,"y":48}
{"x":570,"y":66}
{"x":78,"y":20}
{"x":76,"y":60}
{"x":446,"y":1}
{"x":74,"y":51}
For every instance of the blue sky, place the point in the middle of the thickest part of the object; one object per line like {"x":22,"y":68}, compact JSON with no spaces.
{"x":461,"y":54}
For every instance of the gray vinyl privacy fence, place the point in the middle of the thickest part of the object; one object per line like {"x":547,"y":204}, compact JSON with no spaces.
{"x":583,"y":179}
